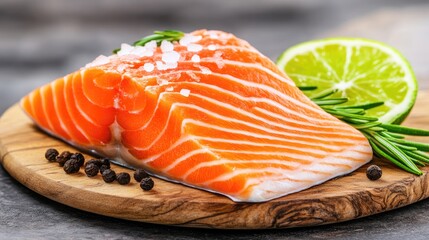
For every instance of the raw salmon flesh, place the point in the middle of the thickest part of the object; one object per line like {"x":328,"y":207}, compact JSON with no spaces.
{"x":209,"y":112}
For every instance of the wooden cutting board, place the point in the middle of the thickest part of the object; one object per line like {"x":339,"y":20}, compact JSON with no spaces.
{"x":348,"y":197}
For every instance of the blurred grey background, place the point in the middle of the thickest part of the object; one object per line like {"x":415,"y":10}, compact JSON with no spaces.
{"x":41,"y":40}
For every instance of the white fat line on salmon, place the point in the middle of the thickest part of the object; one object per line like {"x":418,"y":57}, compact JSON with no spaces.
{"x":81,"y":111}
{"x":333,"y":167}
{"x":235,"y":142}
{"x":309,"y":173}
{"x":269,"y":189}
{"x":32,"y":98}
{"x":281,"y":95}
{"x":273,"y":104}
{"x":266,"y":70}
{"x":336,"y":160}
{"x":320,"y":140}
{"x":184,"y":121}
{"x":161,"y":133}
{"x":264,"y":120}
{"x":246,"y":65}
{"x":262,"y":68}
{"x":334,"y":122}
{"x":286,"y":179}
{"x":189,"y":138}
{"x":185,"y":157}
{"x":232,"y":163}
{"x":340,"y":127}
{"x":218,"y":49}
{"x":356,"y":157}
{"x":84,"y":90}
{"x":293,"y":161}
{"x":261,"y":128}
{"x":275,"y":173}
{"x":294,"y":164}
{"x":57,"y":110}
{"x":245,"y":133}
{"x":66,"y":96}
{"x":116,"y":141}
{"x":72,"y":101}
{"x":83,"y":74}
{"x":170,"y":148}
{"x":43,"y":102}
{"x":234,"y":48}
{"x":241,"y":143}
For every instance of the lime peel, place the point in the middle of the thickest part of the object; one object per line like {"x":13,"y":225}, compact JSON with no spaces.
{"x":360,"y":69}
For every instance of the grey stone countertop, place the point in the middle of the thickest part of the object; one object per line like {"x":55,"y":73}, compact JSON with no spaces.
{"x":45,"y":39}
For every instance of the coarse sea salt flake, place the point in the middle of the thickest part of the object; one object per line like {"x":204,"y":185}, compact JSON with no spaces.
{"x":170,"y":57}
{"x":205,"y":70}
{"x":125,"y":49}
{"x":185,"y":92}
{"x":194,"y":47}
{"x":193,"y":76}
{"x":100,"y":60}
{"x":188,"y":39}
{"x":171,"y":65}
{"x":218,"y":59}
{"x":195,"y":58}
{"x":142,"y":52}
{"x":212,"y":47}
{"x":218,"y":55}
{"x":213,"y":35}
{"x":166,"y":46}
{"x":148,"y":67}
{"x":160,"y":65}
{"x":162,"y":82}
{"x":122,"y":67}
{"x":151,"y":45}
{"x":116,"y":103}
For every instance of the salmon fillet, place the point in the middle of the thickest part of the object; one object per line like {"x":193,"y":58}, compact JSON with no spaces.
{"x":209,"y":112}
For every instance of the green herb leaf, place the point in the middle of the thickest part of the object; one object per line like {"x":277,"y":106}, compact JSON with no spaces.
{"x":386,"y":140}
{"x":406,"y":130}
{"x":364,"y":106}
{"x":307,"y":88}
{"x":158,"y":37}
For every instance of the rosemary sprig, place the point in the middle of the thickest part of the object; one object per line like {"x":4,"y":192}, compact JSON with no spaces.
{"x":386,"y":140}
{"x":158,"y":37}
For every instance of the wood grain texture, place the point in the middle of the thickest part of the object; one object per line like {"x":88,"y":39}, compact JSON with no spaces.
{"x":22,"y":148}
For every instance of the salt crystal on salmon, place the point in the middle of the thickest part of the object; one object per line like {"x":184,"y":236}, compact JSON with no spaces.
{"x":231,"y":124}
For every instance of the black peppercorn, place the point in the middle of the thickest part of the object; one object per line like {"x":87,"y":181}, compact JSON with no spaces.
{"x":103,"y":168}
{"x":51,"y":154}
{"x":71,"y":166}
{"x":79,"y":158}
{"x":373,"y":172}
{"x":94,"y":161}
{"x":139,"y":174}
{"x":91,"y":170}
{"x":63,"y":158}
{"x":109,"y":175}
{"x":105,"y":161}
{"x":146,"y":183}
{"x":123,"y":178}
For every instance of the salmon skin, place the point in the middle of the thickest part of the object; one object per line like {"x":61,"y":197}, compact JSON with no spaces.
{"x":209,"y":111}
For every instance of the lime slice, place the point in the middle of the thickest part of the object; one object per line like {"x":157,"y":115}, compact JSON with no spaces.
{"x":362,"y":70}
